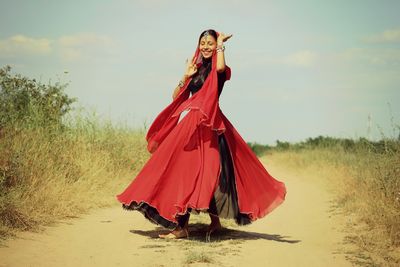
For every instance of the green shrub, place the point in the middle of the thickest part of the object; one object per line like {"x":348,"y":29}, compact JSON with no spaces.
{"x":26,"y":102}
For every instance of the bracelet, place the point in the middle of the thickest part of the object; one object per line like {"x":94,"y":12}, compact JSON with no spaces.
{"x":181,"y":84}
{"x":220,"y":48}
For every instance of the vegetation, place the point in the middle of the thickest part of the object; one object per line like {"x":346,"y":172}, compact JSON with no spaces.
{"x":367,"y":178}
{"x":198,"y":256}
{"x":27,"y":103}
{"x":55,"y":166}
{"x":386,"y":145}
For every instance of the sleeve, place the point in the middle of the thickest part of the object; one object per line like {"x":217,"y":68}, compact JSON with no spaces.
{"x":227,"y":73}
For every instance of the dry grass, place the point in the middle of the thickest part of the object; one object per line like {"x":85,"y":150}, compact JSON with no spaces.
{"x":49,"y":175}
{"x":367,"y":186}
{"x":198,"y":256}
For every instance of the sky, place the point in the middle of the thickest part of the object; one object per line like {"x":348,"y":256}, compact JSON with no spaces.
{"x":300,"y":69}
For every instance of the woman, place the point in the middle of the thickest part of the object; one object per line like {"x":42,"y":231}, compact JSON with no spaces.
{"x":200,"y":162}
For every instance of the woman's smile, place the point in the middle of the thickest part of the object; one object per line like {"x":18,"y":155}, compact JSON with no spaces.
{"x":206,"y":53}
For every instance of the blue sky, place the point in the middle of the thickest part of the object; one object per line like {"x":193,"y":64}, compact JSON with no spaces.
{"x":299,"y":68}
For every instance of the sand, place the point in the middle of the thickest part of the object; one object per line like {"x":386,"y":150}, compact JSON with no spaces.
{"x":304,"y":231}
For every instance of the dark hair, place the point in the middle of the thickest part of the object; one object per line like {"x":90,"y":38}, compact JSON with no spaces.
{"x":210,"y":32}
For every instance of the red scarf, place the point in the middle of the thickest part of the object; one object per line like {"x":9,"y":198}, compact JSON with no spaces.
{"x":205,"y":100}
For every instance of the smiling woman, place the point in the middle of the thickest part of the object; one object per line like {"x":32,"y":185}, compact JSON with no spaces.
{"x":207,"y":44}
{"x":201,"y":163}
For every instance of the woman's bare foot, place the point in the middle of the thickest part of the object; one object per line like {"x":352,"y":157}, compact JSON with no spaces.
{"x":175,"y":234}
{"x":214,"y":225}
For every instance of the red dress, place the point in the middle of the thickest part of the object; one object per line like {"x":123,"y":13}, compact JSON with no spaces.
{"x":185,"y":166}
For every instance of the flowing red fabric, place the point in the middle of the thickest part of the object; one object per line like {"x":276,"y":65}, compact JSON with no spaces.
{"x":184,"y":167}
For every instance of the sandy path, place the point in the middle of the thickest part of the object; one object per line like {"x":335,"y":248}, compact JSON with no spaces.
{"x":301,"y":232}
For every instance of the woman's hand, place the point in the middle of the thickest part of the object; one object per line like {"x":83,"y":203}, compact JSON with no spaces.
{"x":222,"y":37}
{"x":191,"y":67}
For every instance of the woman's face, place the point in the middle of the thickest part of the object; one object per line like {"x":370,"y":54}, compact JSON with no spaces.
{"x":207,"y":45}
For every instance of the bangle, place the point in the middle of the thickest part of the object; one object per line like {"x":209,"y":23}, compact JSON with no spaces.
{"x":220,"y":48}
{"x":181,"y":84}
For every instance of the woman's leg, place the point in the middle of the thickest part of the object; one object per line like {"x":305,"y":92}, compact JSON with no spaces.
{"x":215,"y":223}
{"x":183,"y":220}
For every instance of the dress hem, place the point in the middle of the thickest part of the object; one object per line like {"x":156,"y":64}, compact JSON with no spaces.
{"x":151,"y":214}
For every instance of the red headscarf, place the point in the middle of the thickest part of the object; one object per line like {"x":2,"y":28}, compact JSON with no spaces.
{"x":205,"y":100}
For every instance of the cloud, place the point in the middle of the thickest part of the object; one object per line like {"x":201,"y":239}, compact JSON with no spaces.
{"x":21,"y":45}
{"x":85,"y":46}
{"x":304,"y":58}
{"x":387,"y":36}
{"x":389,"y":57}
{"x":78,"y":47}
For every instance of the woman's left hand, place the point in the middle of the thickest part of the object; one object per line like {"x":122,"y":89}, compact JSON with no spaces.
{"x":222,"y":37}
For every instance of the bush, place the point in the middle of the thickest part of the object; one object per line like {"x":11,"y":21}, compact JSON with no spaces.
{"x":258,"y":149}
{"x":29,"y":103}
{"x":55,"y":166}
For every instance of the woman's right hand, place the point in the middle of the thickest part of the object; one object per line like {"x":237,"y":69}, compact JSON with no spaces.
{"x":191,"y":67}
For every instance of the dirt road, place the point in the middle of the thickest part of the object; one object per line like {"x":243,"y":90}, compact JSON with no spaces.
{"x":303,"y":231}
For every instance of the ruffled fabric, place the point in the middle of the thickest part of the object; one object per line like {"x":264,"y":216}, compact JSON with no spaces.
{"x":184,"y":170}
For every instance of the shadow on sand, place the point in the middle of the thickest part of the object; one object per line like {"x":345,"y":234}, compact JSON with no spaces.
{"x":197,"y":232}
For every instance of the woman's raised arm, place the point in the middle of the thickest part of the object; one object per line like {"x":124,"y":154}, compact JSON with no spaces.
{"x":220,"y":51}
